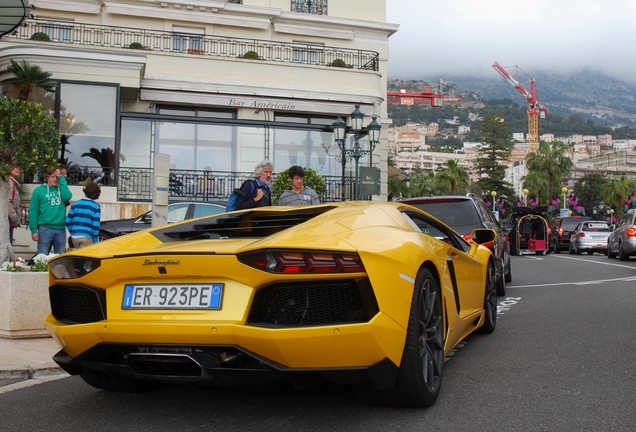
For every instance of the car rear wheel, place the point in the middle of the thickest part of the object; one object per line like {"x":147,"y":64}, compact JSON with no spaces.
{"x":622,"y":255}
{"x":490,"y":302}
{"x":610,"y":254}
{"x":104,"y":381}
{"x":103,"y":236}
{"x":420,"y":374}
{"x":508,"y":272}
{"x":500,"y":281}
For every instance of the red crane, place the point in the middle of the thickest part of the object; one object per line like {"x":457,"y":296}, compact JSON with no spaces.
{"x":535,"y":109}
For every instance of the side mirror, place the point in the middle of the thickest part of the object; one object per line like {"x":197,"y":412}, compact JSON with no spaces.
{"x":483,"y":235}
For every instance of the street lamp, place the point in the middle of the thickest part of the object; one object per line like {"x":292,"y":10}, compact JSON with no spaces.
{"x":611,"y":221}
{"x":525,"y":197}
{"x":493,"y":194}
{"x":564,"y":190}
{"x":339,"y":128}
{"x":356,"y":152}
{"x":407,"y":182}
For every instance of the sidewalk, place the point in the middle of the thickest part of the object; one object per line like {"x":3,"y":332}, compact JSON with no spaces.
{"x":27,"y":359}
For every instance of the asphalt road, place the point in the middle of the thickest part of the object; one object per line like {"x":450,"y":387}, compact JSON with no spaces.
{"x":562,"y":359}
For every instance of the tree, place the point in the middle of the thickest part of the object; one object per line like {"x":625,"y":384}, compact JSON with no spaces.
{"x":105,"y":157}
{"x":28,"y":138}
{"x":29,"y":77}
{"x":492,"y":156}
{"x":588,"y":190}
{"x":616,"y":192}
{"x":547,"y":167}
{"x":453,"y":175}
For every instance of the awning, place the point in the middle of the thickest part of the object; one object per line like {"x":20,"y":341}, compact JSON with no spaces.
{"x":12,"y":13}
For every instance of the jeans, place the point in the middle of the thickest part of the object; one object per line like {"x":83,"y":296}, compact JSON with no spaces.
{"x":51,"y":237}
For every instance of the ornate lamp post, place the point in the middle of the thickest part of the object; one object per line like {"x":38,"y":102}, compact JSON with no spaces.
{"x":564,"y":190}
{"x":356,"y":152}
{"x":407,"y":183}
{"x":525,"y":197}
{"x":493,"y":194}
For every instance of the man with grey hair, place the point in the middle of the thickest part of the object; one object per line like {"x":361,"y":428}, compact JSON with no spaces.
{"x":257,"y":192}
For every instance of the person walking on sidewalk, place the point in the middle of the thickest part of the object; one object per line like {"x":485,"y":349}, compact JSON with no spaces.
{"x":83,"y":219}
{"x":14,"y":200}
{"x":47,"y":213}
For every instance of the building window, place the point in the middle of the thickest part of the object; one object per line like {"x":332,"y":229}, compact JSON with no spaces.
{"x":187,"y":40}
{"x":316,"y":7}
{"x":58,"y":32}
{"x":308,"y":53}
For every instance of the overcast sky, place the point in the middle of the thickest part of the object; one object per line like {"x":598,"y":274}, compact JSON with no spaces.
{"x":459,"y":37}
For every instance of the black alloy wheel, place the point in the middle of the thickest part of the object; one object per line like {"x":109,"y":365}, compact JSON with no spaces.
{"x":420,"y":375}
{"x":490,"y":302}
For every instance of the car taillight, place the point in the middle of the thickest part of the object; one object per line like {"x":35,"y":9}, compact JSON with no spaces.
{"x":560,"y":232}
{"x":581,"y":234}
{"x":291,"y":261}
{"x":630,"y":232}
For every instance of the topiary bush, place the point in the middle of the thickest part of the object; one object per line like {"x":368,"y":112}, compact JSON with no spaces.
{"x":136,"y":45}
{"x":251,"y":55}
{"x":283,"y":182}
{"x":40,"y":36}
{"x":339,"y":63}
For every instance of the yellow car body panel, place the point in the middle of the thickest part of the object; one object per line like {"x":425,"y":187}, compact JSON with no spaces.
{"x":391,"y":251}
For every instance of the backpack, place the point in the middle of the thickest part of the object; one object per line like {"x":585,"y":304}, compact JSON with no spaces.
{"x":237,"y":196}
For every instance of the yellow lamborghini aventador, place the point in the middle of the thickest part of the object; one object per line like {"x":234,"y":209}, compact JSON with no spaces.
{"x":365,"y":293}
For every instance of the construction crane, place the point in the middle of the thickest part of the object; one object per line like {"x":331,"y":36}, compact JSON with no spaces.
{"x":535,"y":109}
{"x":404,"y":97}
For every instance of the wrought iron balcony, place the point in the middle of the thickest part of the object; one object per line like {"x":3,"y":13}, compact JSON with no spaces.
{"x":135,"y":184}
{"x":318,"y":7}
{"x":100,"y":36}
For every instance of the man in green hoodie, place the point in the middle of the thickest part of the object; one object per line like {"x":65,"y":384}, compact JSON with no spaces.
{"x":47,"y":213}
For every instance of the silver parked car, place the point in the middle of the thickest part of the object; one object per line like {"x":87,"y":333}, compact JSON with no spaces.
{"x":590,"y":237}
{"x":622,"y":241}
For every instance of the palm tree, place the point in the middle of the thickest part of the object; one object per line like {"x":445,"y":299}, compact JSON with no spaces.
{"x":616,"y":192}
{"x":451,"y":173}
{"x":105,"y":157}
{"x":550,"y":163}
{"x":30,"y":77}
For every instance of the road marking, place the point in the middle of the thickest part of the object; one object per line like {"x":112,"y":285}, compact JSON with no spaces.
{"x":599,"y":281}
{"x":597,"y":262}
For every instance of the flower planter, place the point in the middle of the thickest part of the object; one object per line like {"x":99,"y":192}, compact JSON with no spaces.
{"x":24,"y":303}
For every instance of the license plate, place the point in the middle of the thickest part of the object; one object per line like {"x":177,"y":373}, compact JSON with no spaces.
{"x":159,"y":296}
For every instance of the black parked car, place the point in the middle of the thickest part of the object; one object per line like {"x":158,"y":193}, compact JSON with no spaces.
{"x":464,"y":213}
{"x":561,"y":231}
{"x":177,"y":212}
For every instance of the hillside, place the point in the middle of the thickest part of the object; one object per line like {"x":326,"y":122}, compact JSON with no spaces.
{"x":586,"y":99}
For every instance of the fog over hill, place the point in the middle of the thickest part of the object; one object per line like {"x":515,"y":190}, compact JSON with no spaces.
{"x":588,"y":93}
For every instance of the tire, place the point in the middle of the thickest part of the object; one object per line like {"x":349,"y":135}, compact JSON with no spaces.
{"x":557,"y":248}
{"x":590,"y":252}
{"x":610,"y":254}
{"x":104,"y":381}
{"x":103,"y":236}
{"x":500,"y":282}
{"x":577,"y":251}
{"x":571,"y":250}
{"x":490,"y":303}
{"x":621,"y":254}
{"x":420,"y":375}
{"x":508,"y":272}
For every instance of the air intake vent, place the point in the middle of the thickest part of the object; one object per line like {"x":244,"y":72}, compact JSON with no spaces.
{"x":77,"y":304}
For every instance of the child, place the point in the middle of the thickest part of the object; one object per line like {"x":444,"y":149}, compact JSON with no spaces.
{"x":83,"y":218}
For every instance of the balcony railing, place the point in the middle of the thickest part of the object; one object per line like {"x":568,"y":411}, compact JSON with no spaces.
{"x":59,"y":32}
{"x":135,"y":184}
{"x":318,"y":7}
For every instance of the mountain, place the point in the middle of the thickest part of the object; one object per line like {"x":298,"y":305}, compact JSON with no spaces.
{"x":590,"y":94}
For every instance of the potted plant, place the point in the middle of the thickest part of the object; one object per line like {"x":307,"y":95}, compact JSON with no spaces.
{"x":339,"y":63}
{"x":251,"y":55}
{"x":136,"y":45}
{"x":40,"y":36}
{"x":24,"y":298}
